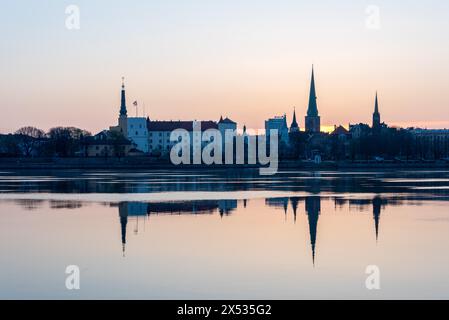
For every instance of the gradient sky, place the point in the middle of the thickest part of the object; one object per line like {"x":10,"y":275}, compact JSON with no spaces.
{"x":198,"y":59}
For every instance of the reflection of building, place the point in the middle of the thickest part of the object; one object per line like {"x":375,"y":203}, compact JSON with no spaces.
{"x":363,"y":205}
{"x":225,"y":207}
{"x":313,"y":209}
{"x":139,"y":209}
{"x":278,"y":203}
{"x":294,"y":202}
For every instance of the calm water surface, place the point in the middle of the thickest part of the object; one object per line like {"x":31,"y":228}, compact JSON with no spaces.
{"x":224,"y":234}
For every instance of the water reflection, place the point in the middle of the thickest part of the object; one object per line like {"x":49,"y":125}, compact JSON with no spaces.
{"x":312,"y":209}
{"x":80,"y":182}
{"x":328,"y":224}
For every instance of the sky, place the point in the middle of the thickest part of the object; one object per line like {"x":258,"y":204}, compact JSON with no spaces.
{"x":248,"y":60}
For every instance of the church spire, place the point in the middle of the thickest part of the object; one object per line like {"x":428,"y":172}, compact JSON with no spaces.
{"x":313,"y":121}
{"x":123,"y":111}
{"x":376,"y":105}
{"x":376,"y":117}
{"x":312,"y":110}
{"x":294,"y":126}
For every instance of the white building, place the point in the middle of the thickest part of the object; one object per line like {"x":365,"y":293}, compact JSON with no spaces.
{"x":138,"y":133}
{"x":159,"y":134}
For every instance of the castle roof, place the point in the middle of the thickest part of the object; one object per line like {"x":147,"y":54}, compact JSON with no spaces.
{"x":173,"y":125}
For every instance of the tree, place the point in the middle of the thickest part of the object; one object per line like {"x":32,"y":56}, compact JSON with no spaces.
{"x":66,"y":141}
{"x":29,"y":139}
{"x":118,"y":143}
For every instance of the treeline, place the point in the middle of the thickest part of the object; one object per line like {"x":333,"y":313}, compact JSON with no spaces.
{"x":388,"y":144}
{"x":34,"y":142}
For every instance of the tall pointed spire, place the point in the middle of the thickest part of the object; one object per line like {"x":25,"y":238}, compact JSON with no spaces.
{"x":123,"y":111}
{"x":376,"y":117}
{"x":294,"y":126}
{"x":313,"y":121}
{"x":376,"y":105}
{"x":312,"y":110}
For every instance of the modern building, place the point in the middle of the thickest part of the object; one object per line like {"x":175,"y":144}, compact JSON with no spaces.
{"x":312,"y":119}
{"x":278,"y":123}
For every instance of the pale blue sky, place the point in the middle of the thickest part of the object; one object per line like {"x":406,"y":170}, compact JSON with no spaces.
{"x":199,"y":59}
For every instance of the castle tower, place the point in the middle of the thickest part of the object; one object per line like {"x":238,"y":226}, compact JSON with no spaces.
{"x":376,"y":117}
{"x":123,"y":117}
{"x":312,"y":118}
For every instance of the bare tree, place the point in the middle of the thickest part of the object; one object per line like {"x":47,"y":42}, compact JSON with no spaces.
{"x":29,"y":139}
{"x":31,"y":132}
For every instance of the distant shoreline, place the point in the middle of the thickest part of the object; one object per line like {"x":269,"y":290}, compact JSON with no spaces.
{"x":149,"y":163}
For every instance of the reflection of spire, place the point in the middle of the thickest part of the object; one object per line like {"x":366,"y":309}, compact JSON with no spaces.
{"x":313,"y":208}
{"x":377,"y":203}
{"x":123,"y":213}
{"x":294,"y":202}
{"x":136,"y":229}
{"x":285,"y":207}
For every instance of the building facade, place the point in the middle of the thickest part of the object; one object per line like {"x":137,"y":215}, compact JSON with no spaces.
{"x":431,"y":144}
{"x":137,"y":132}
{"x":278,"y":123}
{"x":159,"y":132}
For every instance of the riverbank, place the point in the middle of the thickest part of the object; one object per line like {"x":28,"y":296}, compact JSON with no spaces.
{"x":151,"y":163}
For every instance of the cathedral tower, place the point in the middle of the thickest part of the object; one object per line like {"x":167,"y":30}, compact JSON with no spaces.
{"x":312,"y":118}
